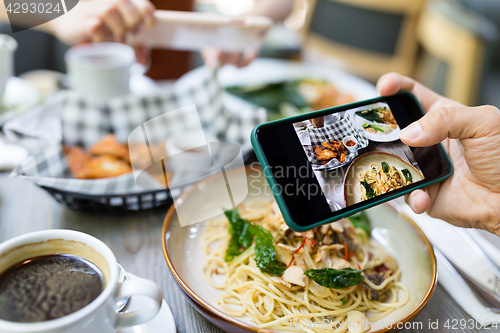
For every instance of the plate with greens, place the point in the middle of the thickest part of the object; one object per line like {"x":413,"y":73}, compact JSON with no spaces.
{"x":377,"y":122}
{"x":376,"y":173}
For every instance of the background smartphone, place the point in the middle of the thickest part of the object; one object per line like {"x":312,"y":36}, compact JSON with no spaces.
{"x":193,"y":31}
{"x":329,"y":164}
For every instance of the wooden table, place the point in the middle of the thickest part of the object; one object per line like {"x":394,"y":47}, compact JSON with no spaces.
{"x":135,"y":238}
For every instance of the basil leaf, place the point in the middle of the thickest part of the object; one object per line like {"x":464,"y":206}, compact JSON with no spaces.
{"x":360,"y":220}
{"x":335,"y":278}
{"x":385,"y":167}
{"x":241,"y":238}
{"x":407,"y":175}
{"x":265,"y":252}
{"x":369,"y":191}
{"x":370,"y":115}
{"x":241,"y":232}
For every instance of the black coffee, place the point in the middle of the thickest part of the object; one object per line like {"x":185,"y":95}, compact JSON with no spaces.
{"x":48,"y":287}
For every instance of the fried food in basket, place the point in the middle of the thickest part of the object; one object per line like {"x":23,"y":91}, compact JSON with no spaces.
{"x":329,"y":150}
{"x":77,"y":160}
{"x":109,"y":145}
{"x":106,"y":158}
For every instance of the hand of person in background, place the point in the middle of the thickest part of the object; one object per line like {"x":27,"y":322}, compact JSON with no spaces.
{"x":102,"y":20}
{"x":471,"y":138}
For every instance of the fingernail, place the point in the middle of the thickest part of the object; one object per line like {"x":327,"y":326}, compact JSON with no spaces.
{"x":411,"y":132}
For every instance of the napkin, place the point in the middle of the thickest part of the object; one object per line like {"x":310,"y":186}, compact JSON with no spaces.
{"x":448,"y":239}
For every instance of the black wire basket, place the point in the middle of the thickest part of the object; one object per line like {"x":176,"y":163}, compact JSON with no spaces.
{"x":112,"y":203}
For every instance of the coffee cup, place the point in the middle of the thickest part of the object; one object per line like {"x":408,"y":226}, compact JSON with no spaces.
{"x":100,"y":72}
{"x":99,"y":315}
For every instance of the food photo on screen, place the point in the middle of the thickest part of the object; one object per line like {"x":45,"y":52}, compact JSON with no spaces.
{"x":356,"y":155}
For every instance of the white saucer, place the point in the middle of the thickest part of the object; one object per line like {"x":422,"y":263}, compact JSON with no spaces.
{"x":162,"y":322}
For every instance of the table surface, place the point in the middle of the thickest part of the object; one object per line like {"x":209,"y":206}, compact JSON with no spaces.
{"x":135,"y":238}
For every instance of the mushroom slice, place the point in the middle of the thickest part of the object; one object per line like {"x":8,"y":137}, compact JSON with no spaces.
{"x":340,"y":264}
{"x":337,"y":226}
{"x":324,"y":228}
{"x":299,"y":261}
{"x":280,"y":281}
{"x":283,"y":254}
{"x":286,"y":247}
{"x":295,"y":275}
{"x":283,"y":228}
{"x":357,"y":322}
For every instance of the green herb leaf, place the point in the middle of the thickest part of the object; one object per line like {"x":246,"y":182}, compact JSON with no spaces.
{"x":242,"y":232}
{"x":241,"y":238}
{"x":385,"y":167}
{"x":370,"y":115}
{"x":271,"y":95}
{"x":369,"y":191}
{"x":265,"y":252}
{"x":343,"y":300}
{"x":360,"y":220}
{"x":407,"y":175}
{"x":335,"y":278}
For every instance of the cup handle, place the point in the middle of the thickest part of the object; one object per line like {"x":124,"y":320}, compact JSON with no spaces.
{"x":138,"y":287}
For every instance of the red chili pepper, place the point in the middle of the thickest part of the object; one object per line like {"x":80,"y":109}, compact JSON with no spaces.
{"x":301,"y":246}
{"x":346,"y":251}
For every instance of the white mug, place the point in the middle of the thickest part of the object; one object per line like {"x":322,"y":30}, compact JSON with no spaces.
{"x":8,"y":46}
{"x":100,"y":315}
{"x":100,"y":71}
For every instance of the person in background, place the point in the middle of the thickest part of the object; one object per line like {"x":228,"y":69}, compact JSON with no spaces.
{"x":471,"y":137}
{"x":97,"y":20}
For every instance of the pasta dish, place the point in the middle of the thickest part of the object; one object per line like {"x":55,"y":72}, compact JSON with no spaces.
{"x":381,"y":179}
{"x":278,"y":278}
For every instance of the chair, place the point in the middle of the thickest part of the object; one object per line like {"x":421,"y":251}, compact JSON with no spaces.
{"x":453,"y":43}
{"x":369,"y":37}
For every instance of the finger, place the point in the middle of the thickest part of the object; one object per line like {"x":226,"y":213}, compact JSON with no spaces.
{"x":419,"y":201}
{"x":452,"y":122}
{"x":115,"y":24}
{"x":392,"y":83}
{"x":98,"y":31}
{"x":130,"y":13}
{"x":147,"y":9}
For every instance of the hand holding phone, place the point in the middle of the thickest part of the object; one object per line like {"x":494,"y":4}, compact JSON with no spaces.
{"x":320,"y":174}
{"x":471,"y":137}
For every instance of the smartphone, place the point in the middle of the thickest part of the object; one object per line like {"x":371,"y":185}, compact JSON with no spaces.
{"x":194,"y":31}
{"x":326,"y":165}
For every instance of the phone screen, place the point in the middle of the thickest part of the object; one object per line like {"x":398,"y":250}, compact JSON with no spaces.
{"x":339,"y":160}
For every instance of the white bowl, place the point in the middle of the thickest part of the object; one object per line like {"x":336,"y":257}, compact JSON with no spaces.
{"x":398,"y":234}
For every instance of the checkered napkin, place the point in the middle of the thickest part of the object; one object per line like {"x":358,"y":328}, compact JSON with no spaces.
{"x":336,"y":131}
{"x":84,"y":122}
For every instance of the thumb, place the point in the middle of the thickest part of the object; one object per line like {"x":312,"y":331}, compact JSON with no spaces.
{"x":454,"y":122}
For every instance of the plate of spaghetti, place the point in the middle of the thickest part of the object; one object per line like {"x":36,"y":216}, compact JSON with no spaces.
{"x":376,"y":173}
{"x":246,"y":271}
